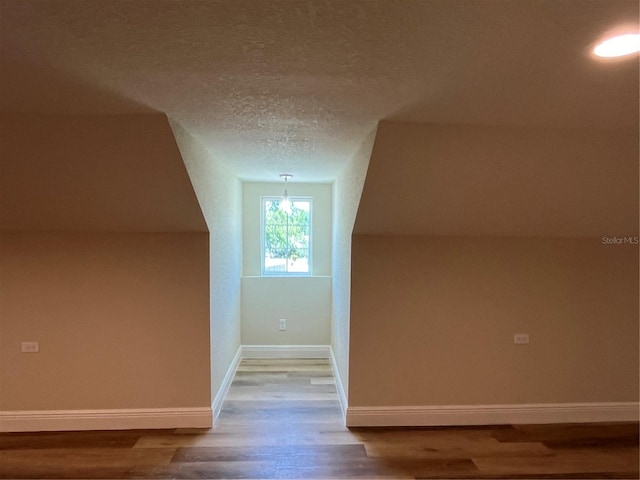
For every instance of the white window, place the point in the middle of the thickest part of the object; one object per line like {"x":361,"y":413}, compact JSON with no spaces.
{"x":286,"y":236}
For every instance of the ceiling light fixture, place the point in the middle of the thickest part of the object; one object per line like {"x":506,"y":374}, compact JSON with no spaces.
{"x":618,"y":46}
{"x":285,"y":203}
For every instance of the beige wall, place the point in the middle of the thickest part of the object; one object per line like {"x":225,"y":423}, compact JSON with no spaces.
{"x":466,"y":236}
{"x":497,"y":181}
{"x":94,"y":173}
{"x":89,"y":270}
{"x":347,"y":189}
{"x":121,"y":319}
{"x":433,"y":319}
{"x":303,"y":301}
{"x":220,"y":195}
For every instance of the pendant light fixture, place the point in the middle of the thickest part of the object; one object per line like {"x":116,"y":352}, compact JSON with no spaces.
{"x":285,"y":203}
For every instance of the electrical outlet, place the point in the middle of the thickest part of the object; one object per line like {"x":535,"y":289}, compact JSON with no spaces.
{"x":30,"y":347}
{"x":283,"y":324}
{"x":521,"y":338}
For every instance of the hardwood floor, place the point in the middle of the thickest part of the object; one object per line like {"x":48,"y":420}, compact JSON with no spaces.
{"x":282,"y":419}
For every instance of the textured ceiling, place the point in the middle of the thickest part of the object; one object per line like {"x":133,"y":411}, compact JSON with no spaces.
{"x":273,"y":86}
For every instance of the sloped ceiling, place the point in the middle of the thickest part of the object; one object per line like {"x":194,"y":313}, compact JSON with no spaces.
{"x":280,"y":85}
{"x":500,"y":181}
{"x":94,"y":173}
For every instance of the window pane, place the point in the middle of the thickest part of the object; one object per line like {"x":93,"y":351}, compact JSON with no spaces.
{"x":299,"y":261}
{"x":287,"y":236}
{"x":276,"y":241}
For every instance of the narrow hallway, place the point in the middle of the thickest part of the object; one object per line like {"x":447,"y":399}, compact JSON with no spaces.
{"x":284,"y":418}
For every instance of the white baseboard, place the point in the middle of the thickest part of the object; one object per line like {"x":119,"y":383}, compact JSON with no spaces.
{"x":226,"y":384}
{"x":286,"y":351}
{"x":492,"y":414}
{"x":150,"y":418}
{"x":342,"y":397}
{"x":115,"y":419}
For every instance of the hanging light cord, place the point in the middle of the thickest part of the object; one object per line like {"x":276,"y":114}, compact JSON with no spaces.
{"x":285,"y":204}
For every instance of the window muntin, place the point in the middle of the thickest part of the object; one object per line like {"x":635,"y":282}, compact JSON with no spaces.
{"x":286,"y":236}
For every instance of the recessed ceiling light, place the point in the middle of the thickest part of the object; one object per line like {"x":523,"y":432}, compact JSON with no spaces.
{"x":618,"y":46}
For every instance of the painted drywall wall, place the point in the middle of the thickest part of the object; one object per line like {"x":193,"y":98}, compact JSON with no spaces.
{"x":94,"y":173}
{"x":220,"y":195}
{"x":303,"y":301}
{"x":433,"y":319}
{"x":104,"y":254}
{"x":466,"y":236}
{"x":525,"y":182}
{"x":121,"y":319}
{"x":347,"y":189}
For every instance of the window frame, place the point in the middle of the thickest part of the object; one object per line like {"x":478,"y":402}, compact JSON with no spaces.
{"x":263,"y":272}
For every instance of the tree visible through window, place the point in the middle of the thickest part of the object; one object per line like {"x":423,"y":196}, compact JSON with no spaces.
{"x":286,"y":230}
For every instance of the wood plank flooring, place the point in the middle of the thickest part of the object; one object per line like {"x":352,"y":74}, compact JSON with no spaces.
{"x":282,"y":419}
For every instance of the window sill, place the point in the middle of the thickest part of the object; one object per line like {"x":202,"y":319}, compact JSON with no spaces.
{"x":286,"y":276}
